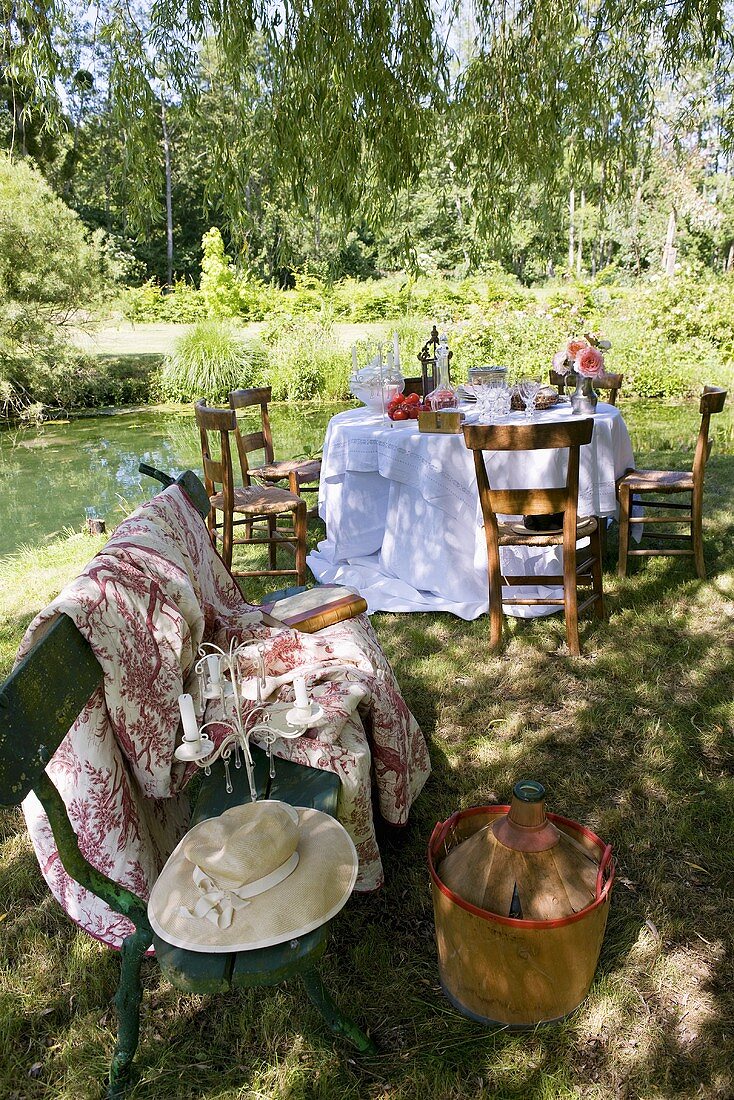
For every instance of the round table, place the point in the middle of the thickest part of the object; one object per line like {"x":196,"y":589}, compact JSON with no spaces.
{"x":402,"y":514}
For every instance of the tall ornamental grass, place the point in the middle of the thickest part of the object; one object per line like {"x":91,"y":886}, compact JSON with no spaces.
{"x":209,"y":361}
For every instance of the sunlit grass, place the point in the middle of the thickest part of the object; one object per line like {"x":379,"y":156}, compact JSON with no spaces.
{"x":634,"y":739}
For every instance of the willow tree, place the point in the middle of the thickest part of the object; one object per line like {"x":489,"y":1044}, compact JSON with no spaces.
{"x":349,"y":94}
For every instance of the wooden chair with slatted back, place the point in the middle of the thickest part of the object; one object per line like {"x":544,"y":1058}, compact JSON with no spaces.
{"x":256,"y":504}
{"x":302,"y":475}
{"x":578,"y":569}
{"x":637,"y":484}
{"x":413,"y":385}
{"x":612,"y":383}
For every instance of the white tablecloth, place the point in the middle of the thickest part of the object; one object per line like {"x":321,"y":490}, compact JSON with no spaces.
{"x":402,"y":514}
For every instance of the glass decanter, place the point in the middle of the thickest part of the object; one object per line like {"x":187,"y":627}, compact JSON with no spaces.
{"x":444,"y":395}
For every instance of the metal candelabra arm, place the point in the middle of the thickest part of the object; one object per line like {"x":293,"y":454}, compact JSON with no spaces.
{"x":270,"y":721}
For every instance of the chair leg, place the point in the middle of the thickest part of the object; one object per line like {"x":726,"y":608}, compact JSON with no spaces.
{"x":227,"y":539}
{"x":624,"y":530}
{"x":570,"y":601}
{"x":127,"y":1002}
{"x":602,"y":528}
{"x":271,"y":543}
{"x":300,"y":525}
{"x":697,"y":534}
{"x":495,"y":600}
{"x":341,"y":1025}
{"x":596,"y":571}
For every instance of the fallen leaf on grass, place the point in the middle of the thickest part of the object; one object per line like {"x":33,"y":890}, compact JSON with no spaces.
{"x":35,"y":1070}
{"x":653,"y":929}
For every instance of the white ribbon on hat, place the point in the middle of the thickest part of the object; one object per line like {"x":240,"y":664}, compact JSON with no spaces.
{"x":219,"y":906}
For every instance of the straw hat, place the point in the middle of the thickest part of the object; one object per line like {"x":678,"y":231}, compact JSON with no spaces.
{"x":258,"y":875}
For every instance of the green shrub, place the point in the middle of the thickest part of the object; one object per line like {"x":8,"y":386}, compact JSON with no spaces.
{"x":219,"y":283}
{"x":305,"y":361}
{"x":181,"y":304}
{"x":209,"y":361}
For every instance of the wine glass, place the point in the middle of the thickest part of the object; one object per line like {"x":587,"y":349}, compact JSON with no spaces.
{"x":528,"y":389}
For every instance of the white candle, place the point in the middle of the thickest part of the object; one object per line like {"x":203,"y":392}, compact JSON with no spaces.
{"x":354,"y":357}
{"x":396,"y":350}
{"x":188,"y":718}
{"x":299,"y":686}
{"x":214,"y":667}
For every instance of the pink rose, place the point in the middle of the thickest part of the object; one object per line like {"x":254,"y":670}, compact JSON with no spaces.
{"x":574,"y":347}
{"x":560,"y":362}
{"x":589,"y":362}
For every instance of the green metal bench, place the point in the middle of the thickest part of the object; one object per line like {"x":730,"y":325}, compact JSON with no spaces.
{"x":38,"y":704}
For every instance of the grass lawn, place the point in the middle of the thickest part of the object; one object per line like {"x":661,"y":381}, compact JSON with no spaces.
{"x":125,"y":338}
{"x":634,"y":739}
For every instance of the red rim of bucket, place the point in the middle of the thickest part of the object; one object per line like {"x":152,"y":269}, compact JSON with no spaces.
{"x":603,"y":886}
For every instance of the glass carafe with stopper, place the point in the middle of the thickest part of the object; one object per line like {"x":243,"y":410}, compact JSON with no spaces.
{"x":444,"y":395}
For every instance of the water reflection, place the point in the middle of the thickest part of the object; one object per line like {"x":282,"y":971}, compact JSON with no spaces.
{"x":48,"y":476}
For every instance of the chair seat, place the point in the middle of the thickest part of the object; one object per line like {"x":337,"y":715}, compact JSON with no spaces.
{"x":657,"y":481}
{"x":308,"y":470}
{"x":259,"y":500}
{"x":511,"y":534}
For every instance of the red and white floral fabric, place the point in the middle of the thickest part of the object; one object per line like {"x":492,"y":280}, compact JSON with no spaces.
{"x":145,"y":603}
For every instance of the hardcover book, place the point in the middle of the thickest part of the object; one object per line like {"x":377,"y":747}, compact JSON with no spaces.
{"x":316,"y":608}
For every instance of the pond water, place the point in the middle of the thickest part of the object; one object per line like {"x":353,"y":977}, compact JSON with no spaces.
{"x":50,"y":475}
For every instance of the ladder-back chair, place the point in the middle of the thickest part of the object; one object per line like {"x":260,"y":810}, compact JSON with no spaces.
{"x":256,"y":504}
{"x":302,"y":475}
{"x":637,"y":484}
{"x":611,"y":383}
{"x":577,"y":570}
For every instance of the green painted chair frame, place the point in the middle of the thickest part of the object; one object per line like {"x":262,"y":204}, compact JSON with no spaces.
{"x":38,"y":704}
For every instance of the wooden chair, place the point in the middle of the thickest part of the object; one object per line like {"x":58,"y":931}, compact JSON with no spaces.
{"x":257,"y":504}
{"x":610,"y":382}
{"x":508,"y":502}
{"x":413,"y":385}
{"x":302,"y":475}
{"x":637,"y":484}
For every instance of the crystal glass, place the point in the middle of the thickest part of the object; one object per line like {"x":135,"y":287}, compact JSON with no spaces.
{"x":529,"y":388}
{"x":488,"y":386}
{"x":444,"y":395}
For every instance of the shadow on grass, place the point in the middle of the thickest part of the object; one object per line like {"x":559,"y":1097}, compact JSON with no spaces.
{"x":633,"y":739}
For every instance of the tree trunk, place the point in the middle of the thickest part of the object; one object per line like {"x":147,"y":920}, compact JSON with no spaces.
{"x":730,"y":258}
{"x":169,"y":203}
{"x":636,"y":226}
{"x":571,"y":202}
{"x":580,"y":252}
{"x":670,"y":251}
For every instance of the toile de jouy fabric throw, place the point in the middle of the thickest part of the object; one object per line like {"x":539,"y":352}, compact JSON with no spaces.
{"x":145,"y":603}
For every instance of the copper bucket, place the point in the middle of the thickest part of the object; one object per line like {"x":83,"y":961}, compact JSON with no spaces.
{"x":499,"y":967}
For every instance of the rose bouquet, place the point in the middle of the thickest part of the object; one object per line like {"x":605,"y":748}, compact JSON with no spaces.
{"x":584,"y":355}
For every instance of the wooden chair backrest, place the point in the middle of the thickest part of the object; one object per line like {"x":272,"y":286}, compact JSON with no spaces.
{"x":261,"y":440}
{"x":610,"y":382}
{"x":529,"y":437}
{"x":712,"y":401}
{"x":217,"y":471}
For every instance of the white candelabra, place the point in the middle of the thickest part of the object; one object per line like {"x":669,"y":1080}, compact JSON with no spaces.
{"x":217,"y":670}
